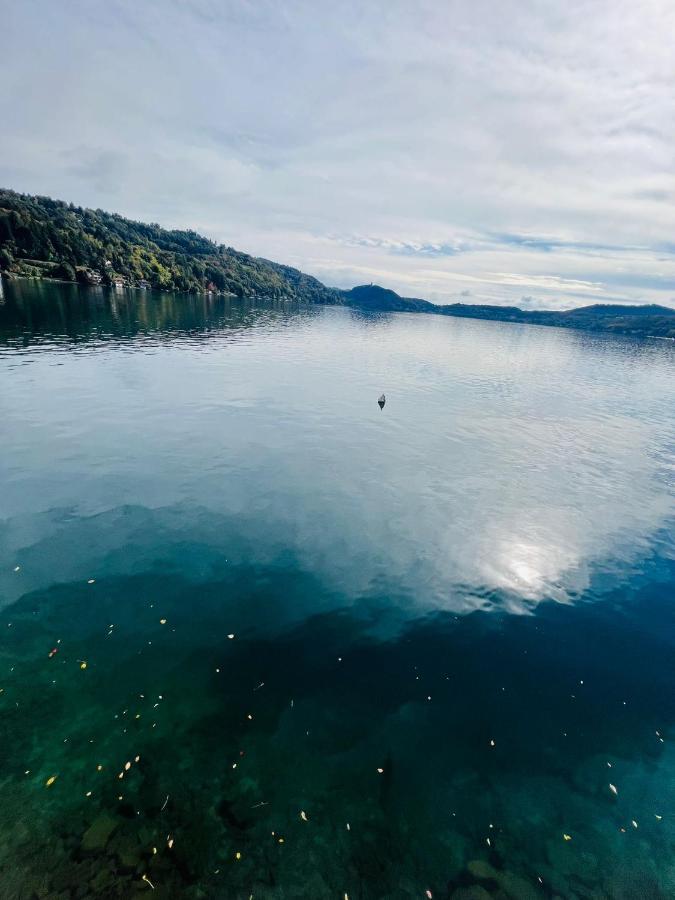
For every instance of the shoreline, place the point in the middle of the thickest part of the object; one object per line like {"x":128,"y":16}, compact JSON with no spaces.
{"x":435,"y":310}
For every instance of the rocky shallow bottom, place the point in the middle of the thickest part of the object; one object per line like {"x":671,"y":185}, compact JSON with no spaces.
{"x":154,"y":744}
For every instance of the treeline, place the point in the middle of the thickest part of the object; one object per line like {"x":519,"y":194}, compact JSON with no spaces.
{"x":46,"y":238}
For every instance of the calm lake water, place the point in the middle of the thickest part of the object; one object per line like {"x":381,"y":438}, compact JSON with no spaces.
{"x":271,"y":642}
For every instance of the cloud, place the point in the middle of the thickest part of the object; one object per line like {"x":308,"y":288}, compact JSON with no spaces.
{"x":405,"y":248}
{"x":450,"y":142}
{"x":547,"y":281}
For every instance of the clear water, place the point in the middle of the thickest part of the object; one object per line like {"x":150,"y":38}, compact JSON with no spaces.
{"x":453,"y":619}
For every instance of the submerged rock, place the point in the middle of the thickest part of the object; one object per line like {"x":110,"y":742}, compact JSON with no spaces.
{"x":518,"y":888}
{"x":474,"y":892}
{"x":510,"y":885}
{"x":102,"y":881}
{"x":98,"y":834}
{"x":128,"y":853}
{"x":482,"y":870}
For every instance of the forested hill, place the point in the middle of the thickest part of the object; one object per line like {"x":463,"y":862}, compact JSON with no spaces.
{"x":41,"y":237}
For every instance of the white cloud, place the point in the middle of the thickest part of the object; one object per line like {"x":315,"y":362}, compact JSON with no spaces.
{"x":390,"y":141}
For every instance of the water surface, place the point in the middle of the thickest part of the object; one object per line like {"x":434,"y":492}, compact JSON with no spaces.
{"x":452,"y":620}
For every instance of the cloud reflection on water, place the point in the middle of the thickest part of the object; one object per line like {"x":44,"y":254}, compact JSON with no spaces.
{"x":512,"y":464}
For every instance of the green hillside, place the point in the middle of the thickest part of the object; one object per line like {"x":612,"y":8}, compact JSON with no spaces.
{"x":40,"y":237}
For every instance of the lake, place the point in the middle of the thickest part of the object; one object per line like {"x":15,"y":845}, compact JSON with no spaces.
{"x":261,"y":639}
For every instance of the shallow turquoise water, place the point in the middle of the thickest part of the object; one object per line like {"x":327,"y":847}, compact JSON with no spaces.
{"x":471,"y":591}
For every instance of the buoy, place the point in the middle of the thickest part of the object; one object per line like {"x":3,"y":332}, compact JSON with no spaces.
{"x":382,"y":401}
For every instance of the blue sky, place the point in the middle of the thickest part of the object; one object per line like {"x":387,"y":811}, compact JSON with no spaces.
{"x":512,"y":152}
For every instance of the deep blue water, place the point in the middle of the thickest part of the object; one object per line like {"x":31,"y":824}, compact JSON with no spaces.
{"x":452,"y":659}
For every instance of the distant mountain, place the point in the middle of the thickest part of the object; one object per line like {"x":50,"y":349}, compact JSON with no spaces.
{"x":648,"y":320}
{"x":44,"y":238}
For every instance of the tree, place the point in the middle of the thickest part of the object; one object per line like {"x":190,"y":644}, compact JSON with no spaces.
{"x":6,"y":259}
{"x":66,"y":271}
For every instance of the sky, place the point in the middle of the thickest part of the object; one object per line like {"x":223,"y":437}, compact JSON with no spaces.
{"x":513,"y":152}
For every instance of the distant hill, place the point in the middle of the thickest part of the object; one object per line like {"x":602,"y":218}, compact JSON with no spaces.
{"x":44,"y":238}
{"x":372,"y":296}
{"x":647,"y":320}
